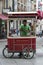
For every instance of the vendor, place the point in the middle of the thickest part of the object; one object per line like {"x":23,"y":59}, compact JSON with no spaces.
{"x":24,"y":28}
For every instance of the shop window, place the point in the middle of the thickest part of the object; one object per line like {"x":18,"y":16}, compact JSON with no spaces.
{"x":3,"y":29}
{"x":33,"y":5}
{"x":24,"y":8}
{"x":21,"y":7}
{"x":25,"y":1}
{"x":22,"y":1}
{"x":18,"y":6}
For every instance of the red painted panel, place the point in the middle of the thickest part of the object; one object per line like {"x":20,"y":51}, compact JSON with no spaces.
{"x":20,"y":43}
{"x":34,"y":43}
{"x":10,"y":44}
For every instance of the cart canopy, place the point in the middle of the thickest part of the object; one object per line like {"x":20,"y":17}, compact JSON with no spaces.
{"x":22,"y":14}
{"x":40,"y":14}
{"x":3,"y":17}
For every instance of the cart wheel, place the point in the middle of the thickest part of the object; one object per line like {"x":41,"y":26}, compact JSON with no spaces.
{"x":28,"y":54}
{"x":6,"y":54}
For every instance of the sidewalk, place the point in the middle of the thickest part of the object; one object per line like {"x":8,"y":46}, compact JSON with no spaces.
{"x":3,"y":40}
{"x":36,"y":60}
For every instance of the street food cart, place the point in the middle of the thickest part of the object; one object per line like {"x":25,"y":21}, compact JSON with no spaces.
{"x":17,"y":43}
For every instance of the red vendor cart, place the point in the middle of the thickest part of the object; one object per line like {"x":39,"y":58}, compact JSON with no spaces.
{"x":17,"y":43}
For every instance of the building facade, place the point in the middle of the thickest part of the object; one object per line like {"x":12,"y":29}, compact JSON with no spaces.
{"x":20,"y":5}
{"x":1,"y":5}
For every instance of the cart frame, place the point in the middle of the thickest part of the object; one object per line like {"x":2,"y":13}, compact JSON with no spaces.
{"x":25,"y":45}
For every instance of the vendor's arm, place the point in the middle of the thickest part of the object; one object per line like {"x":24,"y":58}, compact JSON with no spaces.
{"x":21,"y":28}
{"x":29,"y":29}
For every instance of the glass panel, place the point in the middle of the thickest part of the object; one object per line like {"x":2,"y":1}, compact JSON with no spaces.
{"x":18,"y":29}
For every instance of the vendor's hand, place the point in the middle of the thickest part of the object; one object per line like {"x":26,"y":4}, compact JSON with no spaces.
{"x":26,"y":30}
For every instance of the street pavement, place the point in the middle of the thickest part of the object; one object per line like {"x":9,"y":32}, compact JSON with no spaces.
{"x":36,"y":60}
